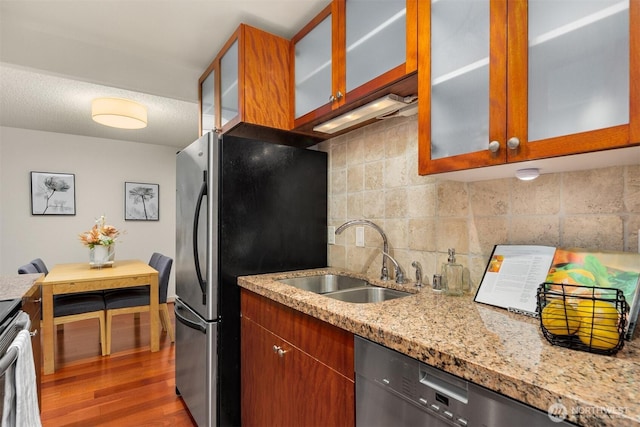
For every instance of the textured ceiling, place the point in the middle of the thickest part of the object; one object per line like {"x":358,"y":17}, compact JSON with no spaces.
{"x":56,"y":56}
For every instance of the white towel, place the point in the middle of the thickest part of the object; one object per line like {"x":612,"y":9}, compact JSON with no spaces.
{"x":27,"y":413}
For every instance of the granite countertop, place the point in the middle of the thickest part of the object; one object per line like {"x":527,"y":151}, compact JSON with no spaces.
{"x":503,"y":351}
{"x":12,"y":287}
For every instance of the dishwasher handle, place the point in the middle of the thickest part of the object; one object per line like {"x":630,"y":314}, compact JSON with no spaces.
{"x":449,"y":386}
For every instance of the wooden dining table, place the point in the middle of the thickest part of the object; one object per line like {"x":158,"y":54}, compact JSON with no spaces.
{"x":80,"y":277}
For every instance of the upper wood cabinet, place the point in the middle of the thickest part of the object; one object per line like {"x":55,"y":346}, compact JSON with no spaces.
{"x":508,"y":80}
{"x":247,"y":83}
{"x":350,"y":53}
{"x":207,"y":96}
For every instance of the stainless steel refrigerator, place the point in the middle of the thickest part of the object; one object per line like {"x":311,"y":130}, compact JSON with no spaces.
{"x":243,"y":207}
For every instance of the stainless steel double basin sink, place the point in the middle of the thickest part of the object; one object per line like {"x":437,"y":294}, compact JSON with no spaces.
{"x":344,"y":288}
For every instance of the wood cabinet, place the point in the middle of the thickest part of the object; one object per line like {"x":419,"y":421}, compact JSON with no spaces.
{"x":505,"y":81}
{"x":247,"y":84}
{"x":32,"y":305}
{"x":350,"y":54}
{"x":207,"y":95}
{"x":296,"y":370}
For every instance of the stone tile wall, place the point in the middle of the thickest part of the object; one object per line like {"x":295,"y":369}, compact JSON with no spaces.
{"x":373,"y":175}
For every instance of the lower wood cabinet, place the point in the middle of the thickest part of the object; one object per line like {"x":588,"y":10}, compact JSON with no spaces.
{"x":296,"y":370}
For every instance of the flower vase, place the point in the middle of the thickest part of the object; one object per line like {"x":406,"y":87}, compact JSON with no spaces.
{"x":100,"y":255}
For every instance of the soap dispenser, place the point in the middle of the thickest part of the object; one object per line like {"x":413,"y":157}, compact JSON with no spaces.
{"x":452,"y":275}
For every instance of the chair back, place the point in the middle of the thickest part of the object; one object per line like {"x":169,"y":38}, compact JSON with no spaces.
{"x":28,"y":269}
{"x":40,"y":266}
{"x":154,"y":259}
{"x":163,"y":265}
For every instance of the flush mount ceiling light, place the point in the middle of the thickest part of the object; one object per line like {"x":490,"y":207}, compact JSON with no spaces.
{"x":368,"y":111}
{"x":527,"y":174}
{"x":119,"y":113}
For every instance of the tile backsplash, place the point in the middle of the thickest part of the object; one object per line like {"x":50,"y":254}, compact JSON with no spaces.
{"x":373,"y":174}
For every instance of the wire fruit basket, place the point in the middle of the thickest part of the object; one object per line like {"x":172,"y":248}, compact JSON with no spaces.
{"x":585,"y":318}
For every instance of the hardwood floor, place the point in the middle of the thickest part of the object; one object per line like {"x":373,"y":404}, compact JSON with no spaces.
{"x":130,"y":387}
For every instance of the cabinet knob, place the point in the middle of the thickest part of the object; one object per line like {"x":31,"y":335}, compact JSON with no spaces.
{"x":336,"y":97}
{"x":281,"y":352}
{"x":494,"y":146}
{"x":275,"y":348}
{"x":513,"y":143}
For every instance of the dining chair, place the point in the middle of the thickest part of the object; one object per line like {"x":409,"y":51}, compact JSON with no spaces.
{"x":40,"y":266}
{"x":28,"y":269}
{"x":69,"y":308}
{"x":136,"y":299}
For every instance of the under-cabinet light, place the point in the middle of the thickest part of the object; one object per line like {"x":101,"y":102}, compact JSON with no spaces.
{"x":527,"y":174}
{"x":368,"y":111}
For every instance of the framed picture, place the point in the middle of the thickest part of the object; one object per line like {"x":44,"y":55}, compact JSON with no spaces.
{"x":53,"y":193}
{"x":141,"y":201}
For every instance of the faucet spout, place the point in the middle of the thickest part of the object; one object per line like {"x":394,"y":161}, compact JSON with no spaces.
{"x":384,"y":274}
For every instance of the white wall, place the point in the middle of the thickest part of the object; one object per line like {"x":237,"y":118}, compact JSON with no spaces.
{"x":101,"y":167}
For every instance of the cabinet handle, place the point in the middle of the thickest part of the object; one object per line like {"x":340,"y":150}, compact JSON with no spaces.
{"x":34,"y":333}
{"x":513,"y":143}
{"x":337,"y":96}
{"x":278,"y":350}
{"x":494,"y":146}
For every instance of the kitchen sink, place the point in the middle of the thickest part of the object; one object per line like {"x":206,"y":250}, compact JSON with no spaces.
{"x":344,"y":288}
{"x":367,"y":295}
{"x":325,"y":283}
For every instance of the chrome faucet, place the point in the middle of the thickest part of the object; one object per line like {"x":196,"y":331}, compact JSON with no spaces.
{"x":384,"y":274}
{"x":399,"y":273}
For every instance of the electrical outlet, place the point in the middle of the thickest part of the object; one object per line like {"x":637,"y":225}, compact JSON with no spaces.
{"x":331,"y":235}
{"x":360,"y":237}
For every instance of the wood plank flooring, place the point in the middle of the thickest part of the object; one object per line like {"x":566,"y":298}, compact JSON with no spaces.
{"x":130,"y":387}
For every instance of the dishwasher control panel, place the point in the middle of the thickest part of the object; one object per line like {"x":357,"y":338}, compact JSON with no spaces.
{"x":394,"y":389}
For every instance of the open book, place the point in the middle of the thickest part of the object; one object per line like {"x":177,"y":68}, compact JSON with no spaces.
{"x":514,"y":273}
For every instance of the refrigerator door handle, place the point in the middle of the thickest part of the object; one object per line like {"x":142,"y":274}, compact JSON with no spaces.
{"x":191,"y":324}
{"x":196,"y":225}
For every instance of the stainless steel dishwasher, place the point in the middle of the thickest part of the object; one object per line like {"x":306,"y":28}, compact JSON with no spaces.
{"x":394,"y":389}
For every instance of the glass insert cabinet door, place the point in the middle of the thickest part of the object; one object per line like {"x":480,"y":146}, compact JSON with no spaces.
{"x":459,"y":77}
{"x":375,"y":39}
{"x":578,"y":66}
{"x":313,"y":68}
{"x":229,"y":89}
{"x":208,"y":115}
{"x":516,"y":80}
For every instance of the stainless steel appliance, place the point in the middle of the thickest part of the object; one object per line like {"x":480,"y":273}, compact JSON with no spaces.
{"x":394,"y":389}
{"x":243,"y":207}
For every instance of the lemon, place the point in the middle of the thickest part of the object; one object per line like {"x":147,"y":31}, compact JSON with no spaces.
{"x":598,"y":312}
{"x":560,"y":318}
{"x":601,"y":336}
{"x":598,"y":324}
